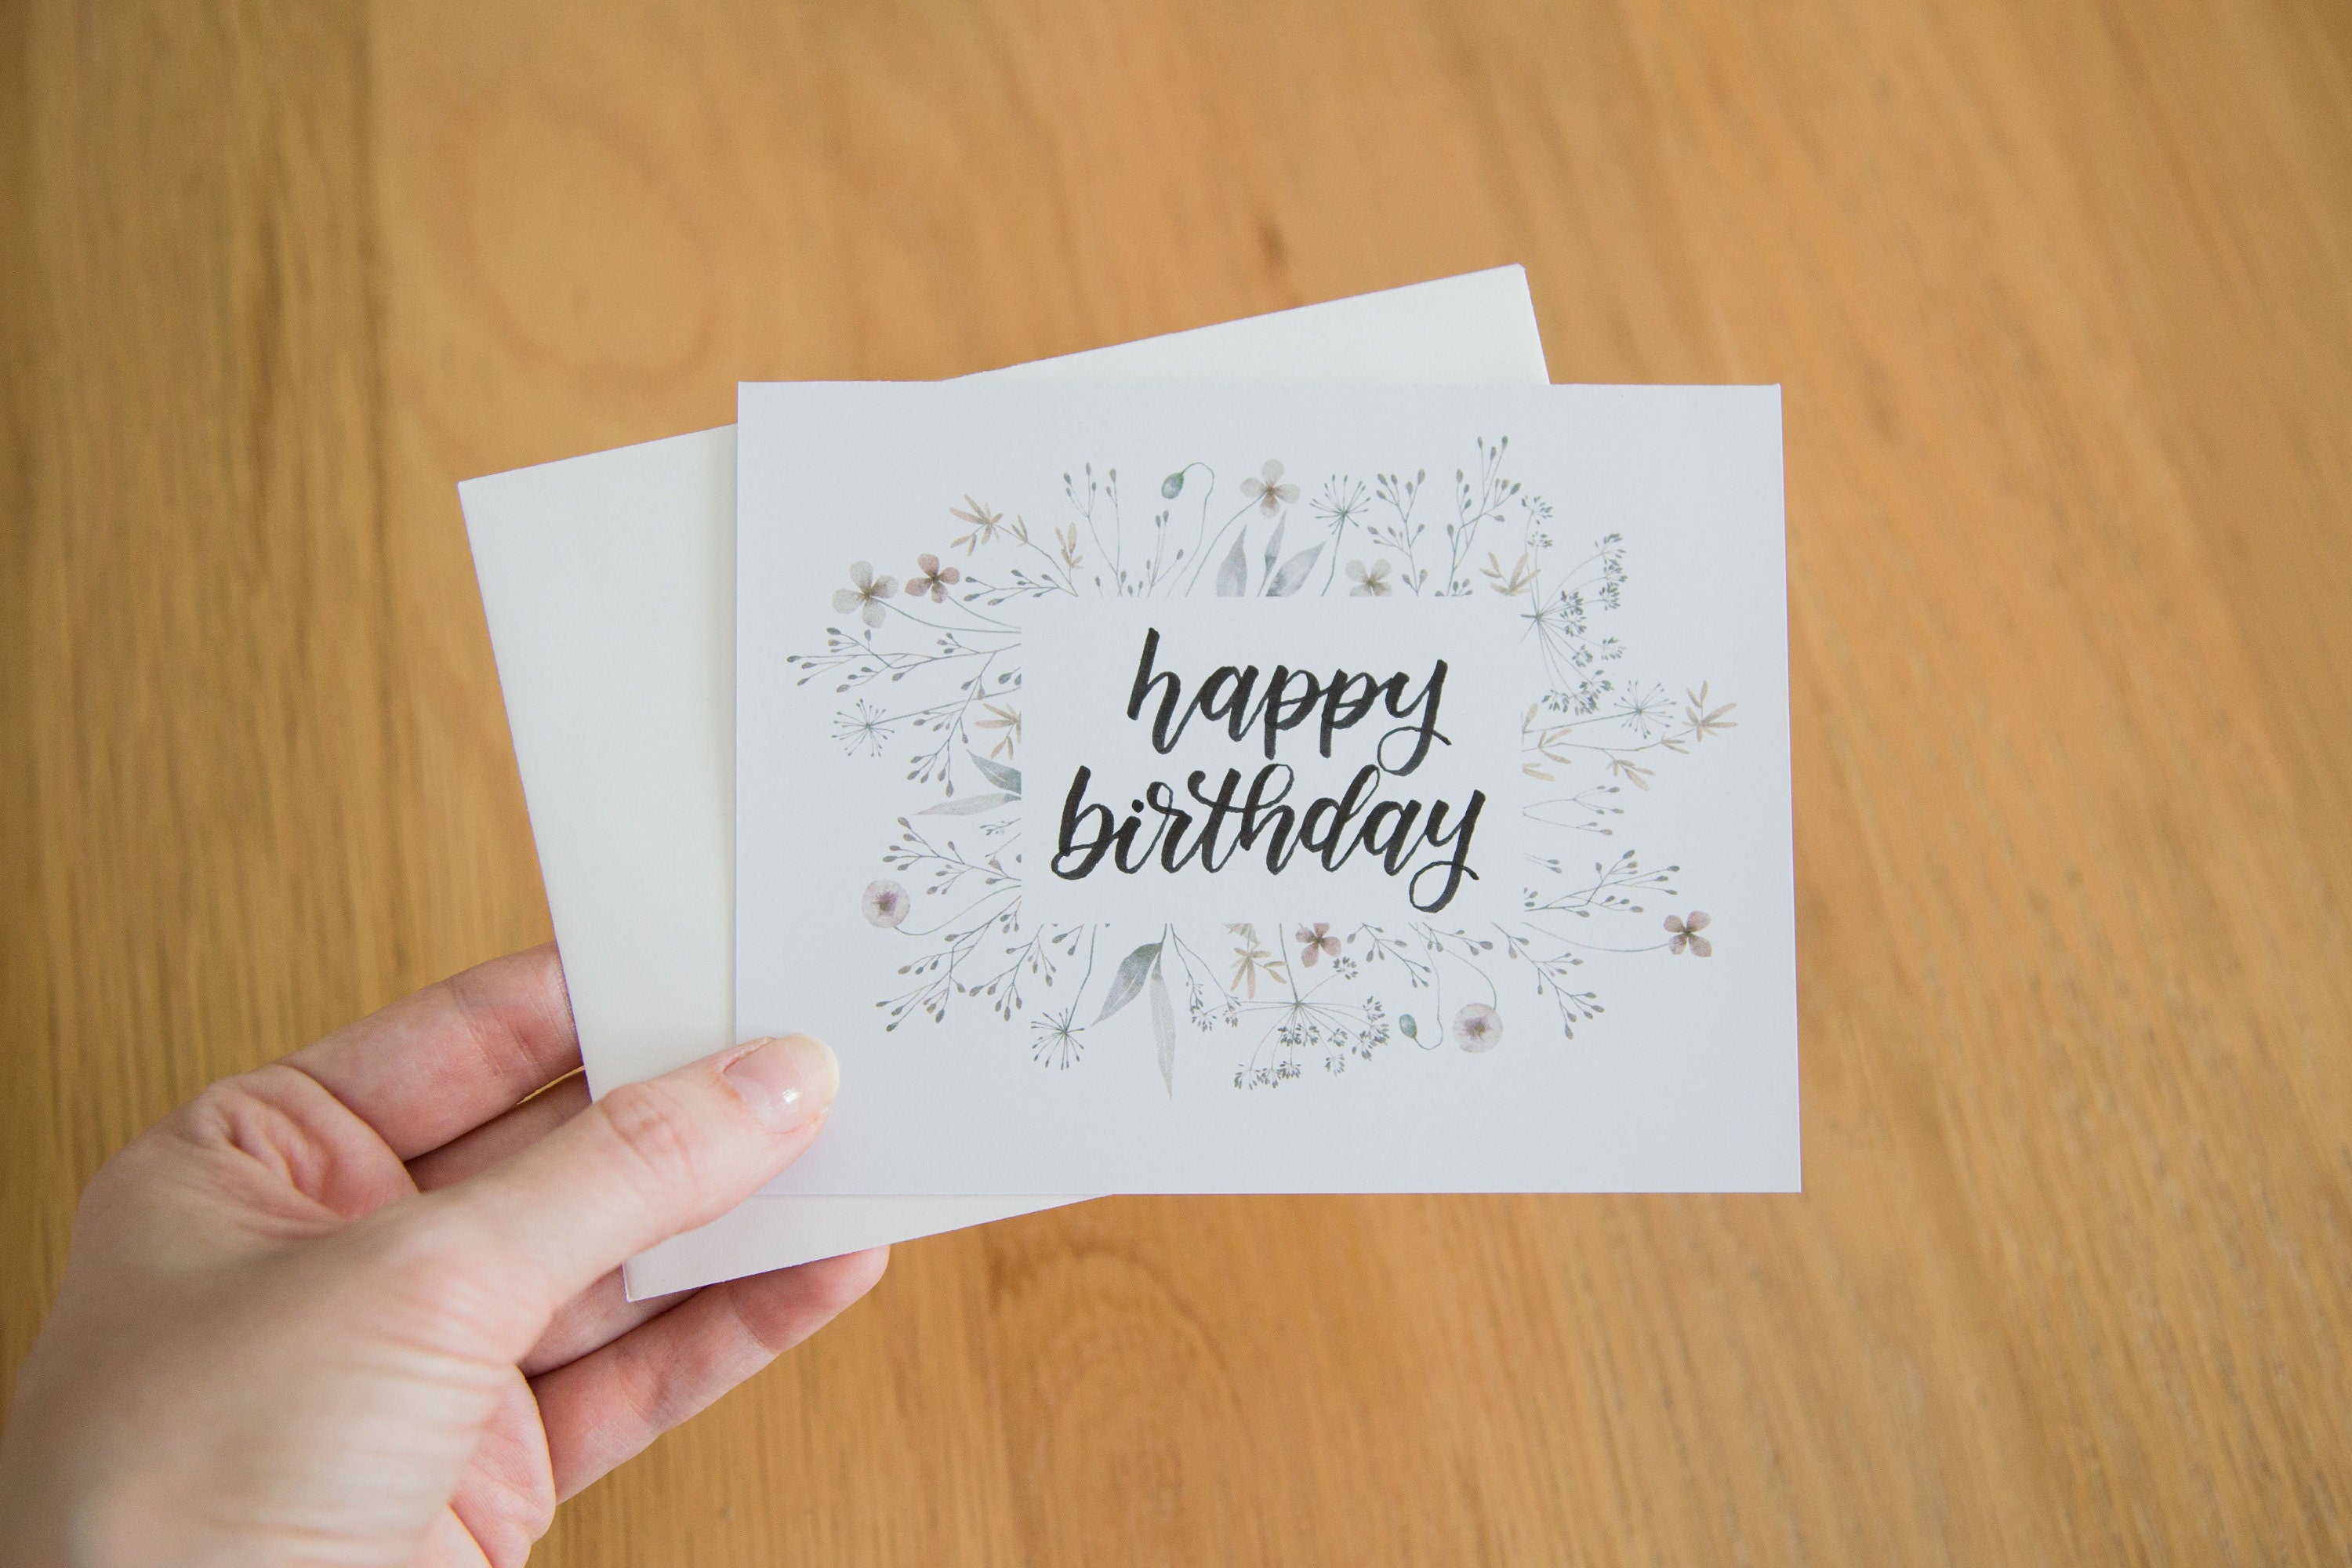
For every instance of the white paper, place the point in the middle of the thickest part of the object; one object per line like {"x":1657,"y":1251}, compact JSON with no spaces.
{"x":1621,"y":1017}
{"x":608,"y":584}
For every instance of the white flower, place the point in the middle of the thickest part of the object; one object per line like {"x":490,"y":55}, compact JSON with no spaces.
{"x":884,"y":904}
{"x":864,"y":594}
{"x":1269,"y":492}
{"x":1372,"y":580}
{"x":1477,"y":1028}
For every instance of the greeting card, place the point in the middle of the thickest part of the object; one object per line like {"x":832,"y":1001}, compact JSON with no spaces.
{"x":1165,"y":789}
{"x":608,"y":584}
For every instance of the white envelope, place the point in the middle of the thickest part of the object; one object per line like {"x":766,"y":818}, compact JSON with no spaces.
{"x":608,"y":584}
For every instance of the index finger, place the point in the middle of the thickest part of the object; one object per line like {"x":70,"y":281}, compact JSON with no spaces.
{"x":442,"y":1062}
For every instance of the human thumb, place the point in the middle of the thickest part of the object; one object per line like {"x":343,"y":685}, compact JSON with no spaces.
{"x":643,"y":1163}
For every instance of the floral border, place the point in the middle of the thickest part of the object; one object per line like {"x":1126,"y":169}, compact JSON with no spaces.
{"x":945,"y":643}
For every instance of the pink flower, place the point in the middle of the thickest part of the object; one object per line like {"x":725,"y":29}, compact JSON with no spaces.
{"x":1685,"y":929}
{"x":1314,"y":943}
{"x":1477,"y":1028}
{"x":933,"y":581}
{"x":885,"y":903}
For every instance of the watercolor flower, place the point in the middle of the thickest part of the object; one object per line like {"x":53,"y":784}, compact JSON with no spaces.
{"x":983,"y":525}
{"x":1007,"y":719}
{"x":1703,"y":720}
{"x":1632,"y":772}
{"x":1509,"y":582}
{"x":1251,"y":960}
{"x":1372,"y":580}
{"x":884,"y":904}
{"x":1477,"y":1028}
{"x":1685,"y":929}
{"x":934,"y":580}
{"x":1314,"y":942}
{"x":865,"y":594}
{"x":1268,"y":490}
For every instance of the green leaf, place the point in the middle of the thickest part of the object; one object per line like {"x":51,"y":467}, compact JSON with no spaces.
{"x":1171,"y":484}
{"x":1004,"y":778}
{"x":1293,"y":575}
{"x":1163,"y":1028}
{"x":1233,"y":577}
{"x":967,"y":805}
{"x":1274,"y":548}
{"x":1127,"y":983}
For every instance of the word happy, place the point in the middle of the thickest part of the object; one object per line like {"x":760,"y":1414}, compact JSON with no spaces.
{"x":1427,"y":843}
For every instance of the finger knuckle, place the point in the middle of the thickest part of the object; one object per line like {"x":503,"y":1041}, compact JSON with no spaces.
{"x":431,"y":1245}
{"x":436,"y":1266}
{"x":213,"y":1122}
{"x":215,"y":1113}
{"x":656,"y":1132}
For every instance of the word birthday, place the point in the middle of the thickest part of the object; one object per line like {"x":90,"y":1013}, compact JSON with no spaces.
{"x":1428,"y":844}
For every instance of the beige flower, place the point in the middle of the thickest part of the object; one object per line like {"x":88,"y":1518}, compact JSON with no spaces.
{"x":1372,"y":580}
{"x":865,"y":594}
{"x":1510,"y":580}
{"x":1684,"y":929}
{"x":1251,"y":960}
{"x":1704,"y":720}
{"x":983,"y":522}
{"x":1270,"y":493}
{"x":1007,"y":719}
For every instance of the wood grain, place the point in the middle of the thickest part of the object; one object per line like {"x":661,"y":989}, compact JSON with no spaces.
{"x":2061,"y":298}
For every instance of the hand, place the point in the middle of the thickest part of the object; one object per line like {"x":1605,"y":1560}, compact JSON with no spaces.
{"x":364,"y":1306}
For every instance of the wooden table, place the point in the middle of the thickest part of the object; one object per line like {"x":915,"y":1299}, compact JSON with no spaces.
{"x":2062,"y":297}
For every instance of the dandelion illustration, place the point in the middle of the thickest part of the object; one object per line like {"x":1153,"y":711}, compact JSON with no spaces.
{"x":1644,"y":711}
{"x":1340,"y":502}
{"x":1314,"y":942}
{"x":1269,"y":491}
{"x":862,"y":729}
{"x":1477,"y":1028}
{"x":865,"y":594}
{"x":1684,"y":929}
{"x":885,"y":903}
{"x":934,"y":580}
{"x":1054,"y":1041}
{"x":1371,"y":580}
